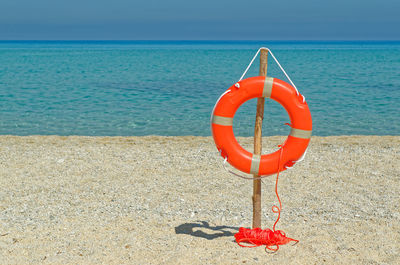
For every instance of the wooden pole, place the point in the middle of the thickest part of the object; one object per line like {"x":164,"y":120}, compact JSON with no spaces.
{"x":258,"y":143}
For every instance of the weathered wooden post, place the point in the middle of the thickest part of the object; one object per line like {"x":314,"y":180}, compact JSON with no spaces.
{"x":258,"y":143}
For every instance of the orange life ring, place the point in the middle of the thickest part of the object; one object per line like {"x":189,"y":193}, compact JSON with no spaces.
{"x":255,"y":87}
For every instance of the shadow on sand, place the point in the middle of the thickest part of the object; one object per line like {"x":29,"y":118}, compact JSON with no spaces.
{"x":197,"y":230}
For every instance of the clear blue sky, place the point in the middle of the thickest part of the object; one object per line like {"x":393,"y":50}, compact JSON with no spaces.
{"x":200,"y":19}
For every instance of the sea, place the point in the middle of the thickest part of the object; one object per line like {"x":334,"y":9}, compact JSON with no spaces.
{"x":137,"y":88}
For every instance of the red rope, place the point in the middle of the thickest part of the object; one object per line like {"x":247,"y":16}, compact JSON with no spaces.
{"x":270,"y":238}
{"x":257,"y":237}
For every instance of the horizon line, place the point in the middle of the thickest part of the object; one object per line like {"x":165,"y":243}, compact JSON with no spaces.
{"x":198,"y":40}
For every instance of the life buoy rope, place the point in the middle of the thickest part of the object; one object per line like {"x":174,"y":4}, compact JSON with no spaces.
{"x":277,"y":62}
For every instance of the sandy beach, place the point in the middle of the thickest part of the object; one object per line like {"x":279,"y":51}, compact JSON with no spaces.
{"x":168,"y":200}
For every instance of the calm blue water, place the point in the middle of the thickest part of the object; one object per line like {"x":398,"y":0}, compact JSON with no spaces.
{"x":170,"y":88}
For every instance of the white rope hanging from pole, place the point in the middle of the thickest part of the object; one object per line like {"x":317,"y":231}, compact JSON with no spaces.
{"x":277,"y":62}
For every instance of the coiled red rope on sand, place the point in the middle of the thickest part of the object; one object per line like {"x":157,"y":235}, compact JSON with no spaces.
{"x":272,"y":239}
{"x":258,"y":237}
